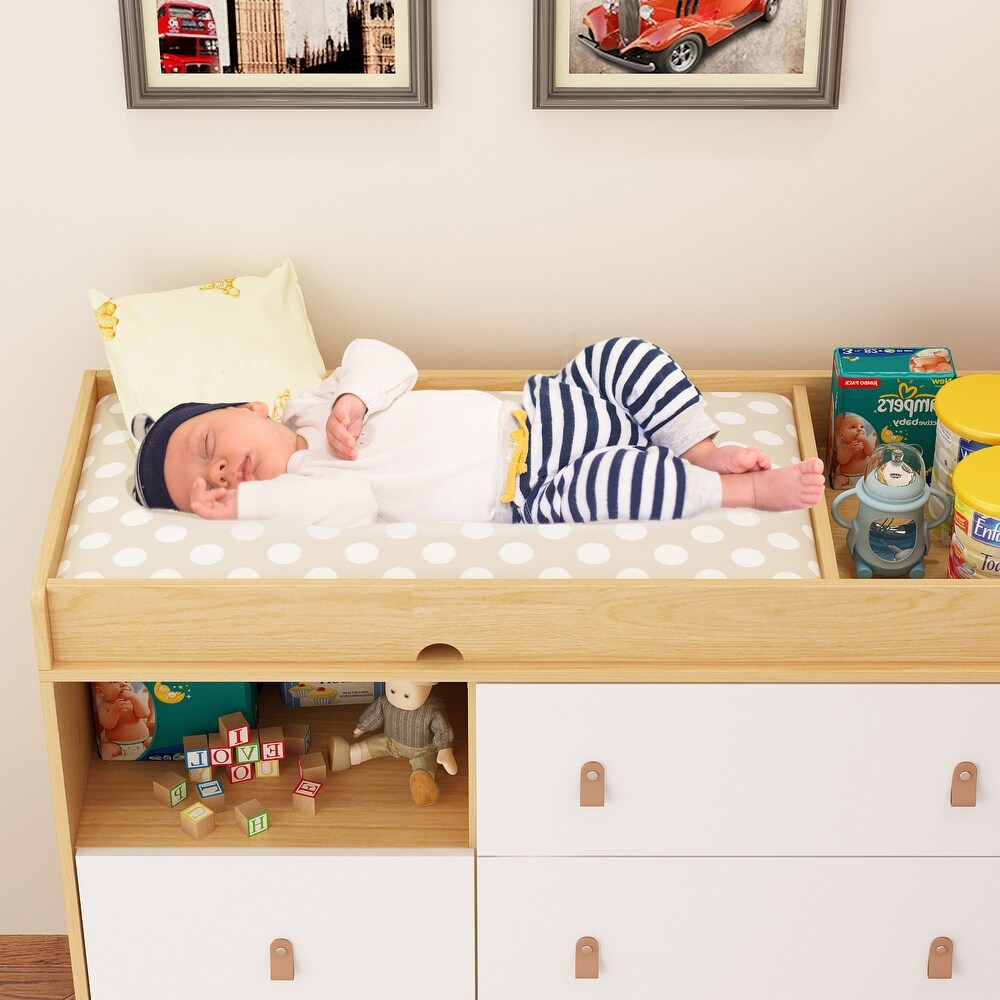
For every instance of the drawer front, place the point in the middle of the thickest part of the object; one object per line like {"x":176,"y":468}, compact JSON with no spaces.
{"x":701,"y":769}
{"x":164,"y":925}
{"x":750,"y":928}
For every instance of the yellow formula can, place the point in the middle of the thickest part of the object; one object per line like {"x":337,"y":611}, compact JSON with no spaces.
{"x":975,"y":543}
{"x":968,"y":419}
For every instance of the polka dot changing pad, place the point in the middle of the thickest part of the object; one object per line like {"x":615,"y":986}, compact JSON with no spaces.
{"x":110,"y":536}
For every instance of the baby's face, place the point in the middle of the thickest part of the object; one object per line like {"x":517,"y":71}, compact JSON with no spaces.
{"x":850,"y":428}
{"x":225,"y":448}
{"x":112,"y":690}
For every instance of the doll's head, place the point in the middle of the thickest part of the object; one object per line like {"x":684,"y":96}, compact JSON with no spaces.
{"x":407,"y":695}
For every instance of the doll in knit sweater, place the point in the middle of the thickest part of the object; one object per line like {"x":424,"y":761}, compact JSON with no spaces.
{"x":414,"y":726}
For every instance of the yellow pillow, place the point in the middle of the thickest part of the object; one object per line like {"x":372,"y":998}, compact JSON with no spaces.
{"x":234,"y":340}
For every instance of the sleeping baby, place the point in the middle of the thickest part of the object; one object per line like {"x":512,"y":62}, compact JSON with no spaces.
{"x":619,"y":434}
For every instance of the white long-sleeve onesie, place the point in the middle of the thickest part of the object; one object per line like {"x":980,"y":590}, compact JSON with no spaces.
{"x":424,"y":455}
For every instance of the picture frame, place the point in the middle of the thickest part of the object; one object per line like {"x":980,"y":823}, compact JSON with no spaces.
{"x":235,"y":56}
{"x":743,"y":57}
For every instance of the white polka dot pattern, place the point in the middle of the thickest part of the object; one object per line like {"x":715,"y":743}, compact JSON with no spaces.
{"x":111,"y":537}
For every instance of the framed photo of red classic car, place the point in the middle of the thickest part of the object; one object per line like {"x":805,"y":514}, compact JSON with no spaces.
{"x":688,"y":53}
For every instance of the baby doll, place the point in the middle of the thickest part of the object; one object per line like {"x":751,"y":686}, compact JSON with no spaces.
{"x":124,"y":719}
{"x":853,"y":447}
{"x":414,"y":726}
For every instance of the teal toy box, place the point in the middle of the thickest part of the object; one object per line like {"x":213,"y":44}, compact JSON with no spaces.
{"x":148,"y":720}
{"x":881,"y":395}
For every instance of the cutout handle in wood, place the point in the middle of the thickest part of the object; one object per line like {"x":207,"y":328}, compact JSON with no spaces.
{"x":282,"y":959}
{"x":939,"y":959}
{"x":592,"y":784}
{"x":588,"y":953}
{"x":963,"y":784}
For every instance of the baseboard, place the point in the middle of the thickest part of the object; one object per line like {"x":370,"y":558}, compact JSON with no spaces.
{"x":34,"y":949}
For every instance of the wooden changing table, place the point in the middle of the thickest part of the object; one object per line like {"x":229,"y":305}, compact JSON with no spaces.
{"x":757,"y":839}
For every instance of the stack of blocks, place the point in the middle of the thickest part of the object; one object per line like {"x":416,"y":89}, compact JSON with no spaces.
{"x":236,"y":746}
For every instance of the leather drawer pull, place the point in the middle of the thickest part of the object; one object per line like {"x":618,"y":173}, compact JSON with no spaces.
{"x":592,"y":784}
{"x":282,"y":959}
{"x":963,"y":784}
{"x":588,"y":953}
{"x":939,"y":959}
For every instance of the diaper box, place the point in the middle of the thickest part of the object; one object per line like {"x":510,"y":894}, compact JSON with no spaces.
{"x":310,"y":694}
{"x":148,"y":720}
{"x":881,"y":395}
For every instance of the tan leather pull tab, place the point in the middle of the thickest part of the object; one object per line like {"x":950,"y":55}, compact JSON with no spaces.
{"x":963,"y":784}
{"x":588,"y":953}
{"x":592,"y":784}
{"x":939,"y":959}
{"x":282,"y":959}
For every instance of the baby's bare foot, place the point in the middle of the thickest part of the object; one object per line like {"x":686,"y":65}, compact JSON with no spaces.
{"x":793,"y":487}
{"x":727,"y":458}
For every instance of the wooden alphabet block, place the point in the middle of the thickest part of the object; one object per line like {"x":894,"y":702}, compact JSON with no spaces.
{"x":312,"y":766}
{"x":247,"y":753}
{"x":305,"y":797}
{"x":220,"y":753}
{"x":298,"y":738}
{"x":235,"y":728}
{"x":272,"y":743}
{"x":266,"y":768}
{"x":196,"y":752}
{"x":212,"y":794}
{"x":199,"y":774}
{"x":170,"y":788}
{"x":252,"y":818}
{"x":197,"y":820}
{"x":240,"y":772}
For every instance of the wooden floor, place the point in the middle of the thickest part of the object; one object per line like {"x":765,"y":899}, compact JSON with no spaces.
{"x":35,"y":967}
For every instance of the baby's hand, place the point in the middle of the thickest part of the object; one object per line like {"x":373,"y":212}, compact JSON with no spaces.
{"x":344,"y":425}
{"x":213,"y":503}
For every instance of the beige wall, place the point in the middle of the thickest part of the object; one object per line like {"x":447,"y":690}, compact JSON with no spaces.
{"x":480,"y":234}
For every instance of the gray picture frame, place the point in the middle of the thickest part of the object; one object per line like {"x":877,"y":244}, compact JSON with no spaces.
{"x":143,"y":92}
{"x":825,"y":93}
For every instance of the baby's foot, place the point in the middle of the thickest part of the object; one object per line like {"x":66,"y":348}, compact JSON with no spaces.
{"x":727,"y":458}
{"x":793,"y":487}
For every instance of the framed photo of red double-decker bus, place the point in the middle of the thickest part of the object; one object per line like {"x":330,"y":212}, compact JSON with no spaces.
{"x":274,"y":53}
{"x":688,"y":53}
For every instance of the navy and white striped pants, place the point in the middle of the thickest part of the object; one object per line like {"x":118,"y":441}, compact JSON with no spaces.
{"x":606,"y":435}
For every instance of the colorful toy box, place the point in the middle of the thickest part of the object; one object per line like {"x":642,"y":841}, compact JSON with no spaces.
{"x":310,"y":694}
{"x":148,"y":720}
{"x":880,"y":395}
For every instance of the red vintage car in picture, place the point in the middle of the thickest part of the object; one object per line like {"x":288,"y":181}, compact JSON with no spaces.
{"x":667,"y":36}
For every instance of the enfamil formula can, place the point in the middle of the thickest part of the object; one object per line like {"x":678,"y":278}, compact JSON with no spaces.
{"x":975,"y":542}
{"x":968,"y":419}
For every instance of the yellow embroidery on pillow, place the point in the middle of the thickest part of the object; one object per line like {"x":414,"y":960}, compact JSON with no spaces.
{"x":227,"y":286}
{"x":106,"y":319}
{"x":278,"y":409}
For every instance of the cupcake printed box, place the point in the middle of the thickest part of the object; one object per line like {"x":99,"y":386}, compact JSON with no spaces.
{"x":313,"y":694}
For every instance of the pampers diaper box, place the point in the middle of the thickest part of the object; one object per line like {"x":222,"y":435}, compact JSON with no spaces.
{"x":148,"y":720}
{"x":879,"y":395}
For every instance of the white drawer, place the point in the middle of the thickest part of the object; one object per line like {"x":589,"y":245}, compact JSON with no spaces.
{"x":747,"y":928}
{"x":701,"y":769}
{"x":167,"y":924}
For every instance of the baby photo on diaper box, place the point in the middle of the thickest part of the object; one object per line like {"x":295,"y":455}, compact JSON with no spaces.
{"x":148,"y":720}
{"x":881,"y":395}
